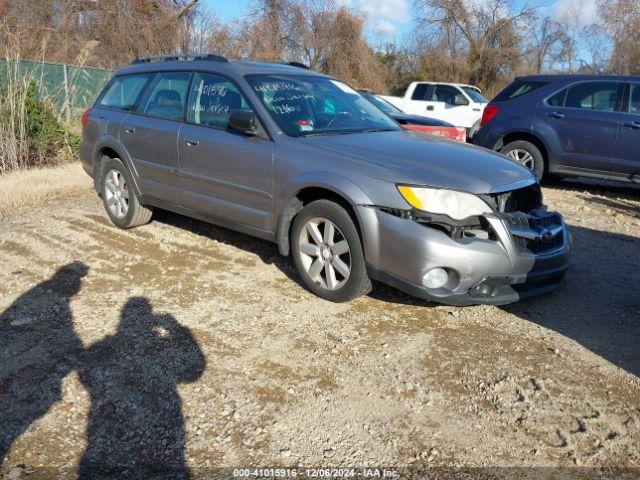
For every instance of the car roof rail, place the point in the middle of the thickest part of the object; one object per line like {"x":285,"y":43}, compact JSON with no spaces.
{"x":207,"y":57}
{"x":294,"y":64}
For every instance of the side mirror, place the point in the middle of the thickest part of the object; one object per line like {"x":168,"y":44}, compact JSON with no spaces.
{"x":243,"y":122}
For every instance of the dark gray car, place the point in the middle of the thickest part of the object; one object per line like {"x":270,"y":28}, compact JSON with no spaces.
{"x":303,"y":160}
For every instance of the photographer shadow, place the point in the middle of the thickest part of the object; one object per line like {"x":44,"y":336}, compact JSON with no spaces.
{"x":38,"y":347}
{"x":136,"y":427}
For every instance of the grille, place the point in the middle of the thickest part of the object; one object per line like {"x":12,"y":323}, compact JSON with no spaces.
{"x":521,"y":200}
{"x":535,"y":225}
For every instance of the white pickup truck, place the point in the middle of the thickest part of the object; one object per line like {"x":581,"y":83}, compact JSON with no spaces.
{"x":458,"y":104}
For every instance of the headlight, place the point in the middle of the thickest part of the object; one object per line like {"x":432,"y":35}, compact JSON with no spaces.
{"x":457,"y":205}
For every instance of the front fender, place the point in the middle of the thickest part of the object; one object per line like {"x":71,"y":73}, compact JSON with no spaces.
{"x":333,"y":182}
{"x":288,"y":206}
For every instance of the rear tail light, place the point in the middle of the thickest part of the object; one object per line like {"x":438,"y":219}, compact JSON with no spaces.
{"x":490,"y":111}
{"x":85,"y":117}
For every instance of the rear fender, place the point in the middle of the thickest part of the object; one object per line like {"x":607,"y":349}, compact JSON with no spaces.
{"x":112,"y":142}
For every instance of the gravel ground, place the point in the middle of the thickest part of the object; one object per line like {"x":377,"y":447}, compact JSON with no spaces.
{"x":192,"y":347}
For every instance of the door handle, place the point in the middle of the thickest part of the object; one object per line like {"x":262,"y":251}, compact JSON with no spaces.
{"x":430,"y":108}
{"x":192,"y":142}
{"x":129,"y":129}
{"x":555,"y":115}
{"x":634,"y":125}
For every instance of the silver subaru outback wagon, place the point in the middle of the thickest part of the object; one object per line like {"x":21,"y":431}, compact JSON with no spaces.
{"x":301,"y":159}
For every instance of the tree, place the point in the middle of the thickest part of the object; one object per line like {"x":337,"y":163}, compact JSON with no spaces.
{"x":622,"y":24}
{"x":546,"y":38}
{"x":484,"y":34}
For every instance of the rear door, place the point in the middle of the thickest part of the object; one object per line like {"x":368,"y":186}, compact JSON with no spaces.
{"x":112,"y":107}
{"x":150,"y":135}
{"x":223,"y":173}
{"x":626,"y":160}
{"x":439,"y":101}
{"x":581,"y":123}
{"x":421,"y":103}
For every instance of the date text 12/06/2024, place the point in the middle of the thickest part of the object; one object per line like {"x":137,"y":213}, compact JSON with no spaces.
{"x":314,"y":473}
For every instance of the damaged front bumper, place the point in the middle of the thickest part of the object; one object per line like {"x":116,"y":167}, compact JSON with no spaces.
{"x":509,"y":257}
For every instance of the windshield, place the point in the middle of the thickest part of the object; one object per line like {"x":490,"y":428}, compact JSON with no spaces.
{"x":309,"y":105}
{"x":381,"y":103}
{"x":475,"y":95}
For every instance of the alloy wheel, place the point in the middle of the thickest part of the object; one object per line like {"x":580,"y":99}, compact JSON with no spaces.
{"x":523,"y":157}
{"x":325,"y":253}
{"x":116,"y":191}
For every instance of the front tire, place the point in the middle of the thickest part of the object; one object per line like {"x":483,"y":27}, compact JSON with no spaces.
{"x":119,"y":200}
{"x":526,"y":154}
{"x":327,"y":252}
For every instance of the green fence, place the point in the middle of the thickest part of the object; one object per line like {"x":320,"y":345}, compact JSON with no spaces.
{"x":71,"y":88}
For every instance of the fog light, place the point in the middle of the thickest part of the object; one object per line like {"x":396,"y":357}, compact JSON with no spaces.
{"x":435,"y":278}
{"x":482,"y":290}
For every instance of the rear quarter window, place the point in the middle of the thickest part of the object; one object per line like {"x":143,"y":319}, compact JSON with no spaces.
{"x":519,"y":88}
{"x":122,"y":92}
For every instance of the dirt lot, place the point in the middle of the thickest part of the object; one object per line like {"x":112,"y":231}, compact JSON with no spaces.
{"x":185,"y":345}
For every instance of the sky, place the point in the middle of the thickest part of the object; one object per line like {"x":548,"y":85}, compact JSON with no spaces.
{"x":394,"y":17}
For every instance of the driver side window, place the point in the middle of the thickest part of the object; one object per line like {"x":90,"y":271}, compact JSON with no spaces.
{"x":213,"y":99}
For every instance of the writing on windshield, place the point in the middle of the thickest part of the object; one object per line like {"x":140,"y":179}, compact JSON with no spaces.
{"x":310,"y":104}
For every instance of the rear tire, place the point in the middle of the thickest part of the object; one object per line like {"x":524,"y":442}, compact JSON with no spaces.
{"x":327,"y":252}
{"x":118,"y":197}
{"x":526,"y":154}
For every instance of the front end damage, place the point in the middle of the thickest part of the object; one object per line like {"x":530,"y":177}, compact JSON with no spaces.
{"x":517,"y":251}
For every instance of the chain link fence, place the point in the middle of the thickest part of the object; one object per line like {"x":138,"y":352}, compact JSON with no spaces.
{"x":71,"y":88}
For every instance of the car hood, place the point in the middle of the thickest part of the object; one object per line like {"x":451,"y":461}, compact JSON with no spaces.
{"x":413,"y":157}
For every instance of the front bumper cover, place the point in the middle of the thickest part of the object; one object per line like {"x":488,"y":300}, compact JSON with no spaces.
{"x":505,"y":269}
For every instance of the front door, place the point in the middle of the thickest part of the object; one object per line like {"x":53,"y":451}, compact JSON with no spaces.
{"x":150,"y":135}
{"x":626,"y":160}
{"x":583,"y":122}
{"x":222,"y":173}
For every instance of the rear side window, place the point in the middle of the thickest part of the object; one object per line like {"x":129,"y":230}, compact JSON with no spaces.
{"x":123,"y":91}
{"x":420,"y":93}
{"x":519,"y":88}
{"x":634,"y":99}
{"x":165,"y":96}
{"x":212,"y":101}
{"x":557,"y":100}
{"x":602,"y":96}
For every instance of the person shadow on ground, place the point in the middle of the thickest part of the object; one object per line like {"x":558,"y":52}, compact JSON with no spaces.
{"x":136,"y":427}
{"x":38,"y":348}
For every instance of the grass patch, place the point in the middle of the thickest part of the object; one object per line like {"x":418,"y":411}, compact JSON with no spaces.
{"x":34,"y":187}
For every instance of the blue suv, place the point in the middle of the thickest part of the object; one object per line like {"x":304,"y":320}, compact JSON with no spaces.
{"x":570,"y":125}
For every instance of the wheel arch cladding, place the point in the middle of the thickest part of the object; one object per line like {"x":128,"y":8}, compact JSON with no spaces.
{"x":106,"y":151}
{"x":309,"y":192}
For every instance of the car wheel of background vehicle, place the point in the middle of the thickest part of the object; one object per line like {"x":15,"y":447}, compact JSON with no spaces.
{"x":328,"y":253}
{"x":472,"y":131}
{"x":526,"y":154}
{"x":118,"y":198}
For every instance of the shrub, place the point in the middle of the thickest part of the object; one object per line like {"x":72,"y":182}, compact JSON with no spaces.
{"x":31,"y":131}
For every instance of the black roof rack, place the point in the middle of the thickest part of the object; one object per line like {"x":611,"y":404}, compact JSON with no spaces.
{"x":295,"y":64}
{"x":207,"y":57}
